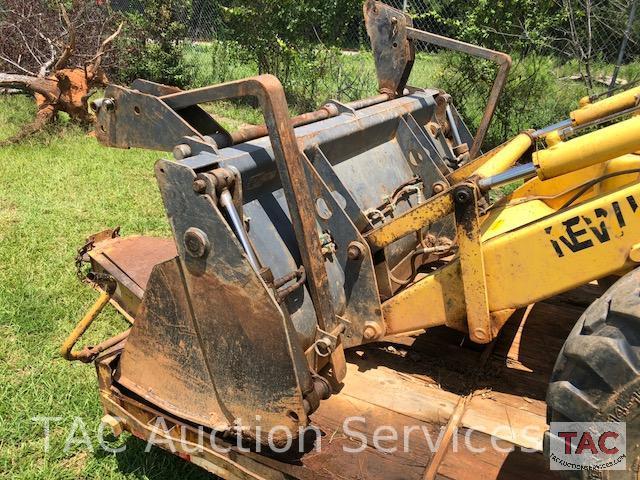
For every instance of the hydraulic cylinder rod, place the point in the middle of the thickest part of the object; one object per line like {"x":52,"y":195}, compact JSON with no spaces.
{"x":238,"y":226}
{"x":518,"y":172}
{"x":593,"y":112}
{"x":454,"y":127}
{"x":581,"y":152}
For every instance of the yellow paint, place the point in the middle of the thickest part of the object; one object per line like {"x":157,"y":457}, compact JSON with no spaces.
{"x":553,"y":138}
{"x":411,"y":221}
{"x":82,"y":326}
{"x":506,"y":157}
{"x":520,"y":261}
{"x":625,"y":162}
{"x":535,"y":244}
{"x":597,"y":147}
{"x":584,"y":101}
{"x":556,"y":191}
{"x":617,"y":103}
{"x":474,"y":279}
{"x":435,"y":300}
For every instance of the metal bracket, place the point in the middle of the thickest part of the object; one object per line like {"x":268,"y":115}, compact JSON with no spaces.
{"x":289,"y":161}
{"x":393,"y":52}
{"x":392,"y":39}
{"x":472,"y":263}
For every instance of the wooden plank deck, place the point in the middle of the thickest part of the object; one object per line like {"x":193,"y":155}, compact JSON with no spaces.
{"x":418,"y":382}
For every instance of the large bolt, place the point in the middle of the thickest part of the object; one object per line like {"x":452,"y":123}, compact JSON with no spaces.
{"x":372,"y":331}
{"x":438,"y":187}
{"x":463,"y":195}
{"x":322,"y":387}
{"x":196,"y":242}
{"x":355,"y":251}
{"x":182,"y":151}
{"x":461,"y":149}
{"x":480,"y":334}
{"x":199,"y":185}
{"x":323,"y":347}
{"x":434,"y":128}
{"x":107,"y":103}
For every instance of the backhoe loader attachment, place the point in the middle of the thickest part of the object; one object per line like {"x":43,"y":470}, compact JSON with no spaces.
{"x":296,"y":240}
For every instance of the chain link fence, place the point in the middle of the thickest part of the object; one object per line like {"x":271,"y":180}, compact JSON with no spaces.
{"x":585,"y":30}
{"x":588,"y":29}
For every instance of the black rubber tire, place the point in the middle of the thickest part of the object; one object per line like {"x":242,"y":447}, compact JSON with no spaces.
{"x":597,"y":374}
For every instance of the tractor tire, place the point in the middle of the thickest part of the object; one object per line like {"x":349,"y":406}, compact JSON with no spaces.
{"x":596,"y":377}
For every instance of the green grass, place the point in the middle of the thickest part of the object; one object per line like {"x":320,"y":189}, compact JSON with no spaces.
{"x":55,"y":190}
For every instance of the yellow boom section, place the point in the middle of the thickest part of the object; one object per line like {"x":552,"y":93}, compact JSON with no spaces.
{"x":577,"y":222}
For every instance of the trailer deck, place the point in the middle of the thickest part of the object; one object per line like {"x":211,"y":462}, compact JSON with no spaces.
{"x":433,"y":388}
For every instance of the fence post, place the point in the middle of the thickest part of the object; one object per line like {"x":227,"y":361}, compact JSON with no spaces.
{"x":623,"y":45}
{"x":405,"y":5}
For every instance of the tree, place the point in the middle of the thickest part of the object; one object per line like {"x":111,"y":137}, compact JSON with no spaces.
{"x":55,"y":53}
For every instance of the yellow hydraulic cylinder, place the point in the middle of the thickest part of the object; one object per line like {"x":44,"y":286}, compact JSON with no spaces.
{"x":597,"y":147}
{"x":594,"y":111}
{"x":584,"y":101}
{"x":506,"y":157}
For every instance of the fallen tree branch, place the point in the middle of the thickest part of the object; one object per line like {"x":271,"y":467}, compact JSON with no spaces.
{"x":96,"y":61}
{"x":47,"y":87}
{"x":70,"y":45}
{"x":64,"y":81}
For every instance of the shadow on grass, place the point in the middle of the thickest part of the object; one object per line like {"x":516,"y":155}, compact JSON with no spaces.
{"x":136,"y":462}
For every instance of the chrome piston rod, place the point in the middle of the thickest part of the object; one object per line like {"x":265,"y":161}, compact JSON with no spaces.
{"x":516,"y":173}
{"x":238,"y":226}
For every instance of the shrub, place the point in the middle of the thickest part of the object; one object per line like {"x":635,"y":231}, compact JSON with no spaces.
{"x":152,"y":45}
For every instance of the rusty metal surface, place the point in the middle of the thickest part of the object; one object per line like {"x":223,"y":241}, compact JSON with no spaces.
{"x":393,"y":51}
{"x":392,"y":39}
{"x":359,"y":304}
{"x":163,"y":361}
{"x":150,"y":123}
{"x":251,"y":356}
{"x":135,"y":256}
{"x":290,"y":166}
{"x":432,"y":383}
{"x":472,"y":263}
{"x":421,"y":216}
{"x":303,"y":198}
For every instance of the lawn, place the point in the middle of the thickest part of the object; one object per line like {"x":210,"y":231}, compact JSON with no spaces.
{"x":55,"y":189}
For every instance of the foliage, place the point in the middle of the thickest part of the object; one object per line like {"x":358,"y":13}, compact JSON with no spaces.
{"x":152,"y":46}
{"x":265,"y":25}
{"x":511,"y":25}
{"x":316,"y":74}
{"x":532,"y":98}
{"x":298,"y":42}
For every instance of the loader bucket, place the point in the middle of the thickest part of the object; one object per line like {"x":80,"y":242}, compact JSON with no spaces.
{"x":281,"y":256}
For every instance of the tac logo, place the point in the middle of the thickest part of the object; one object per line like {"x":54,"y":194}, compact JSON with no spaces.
{"x":587,"y":446}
